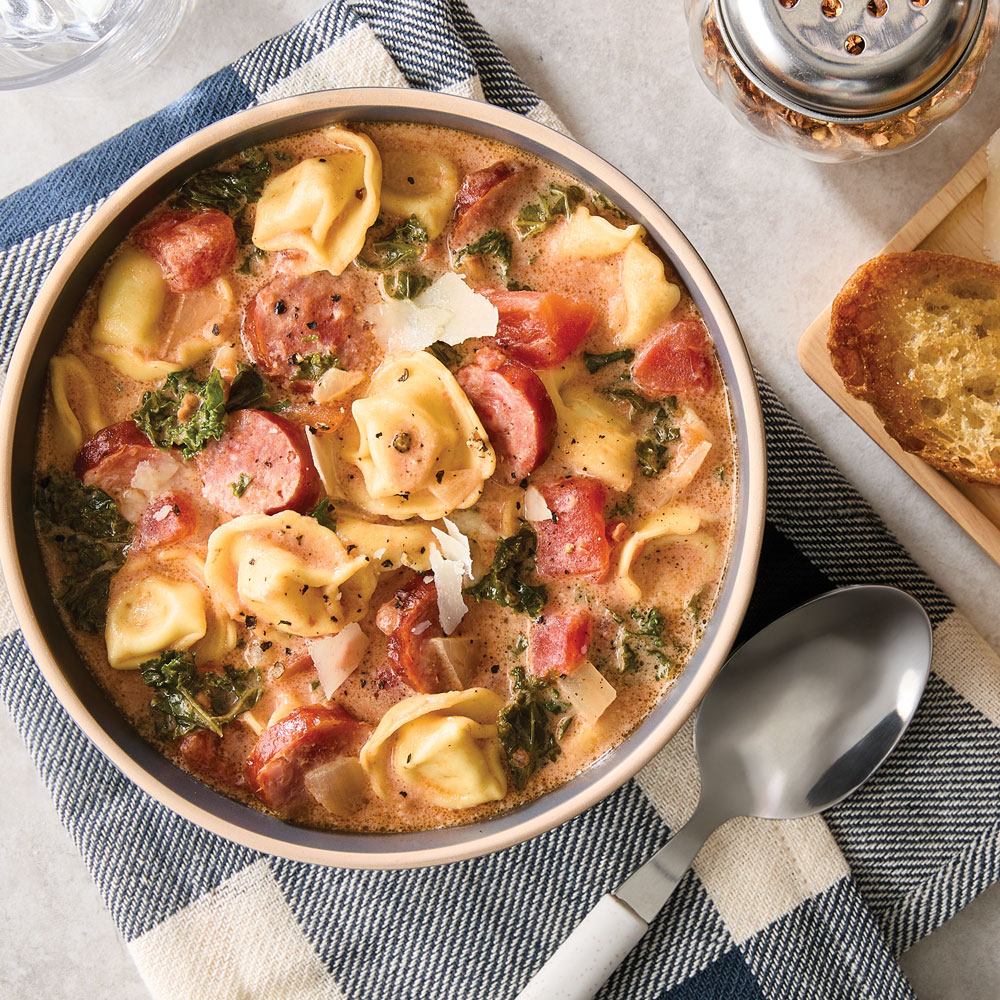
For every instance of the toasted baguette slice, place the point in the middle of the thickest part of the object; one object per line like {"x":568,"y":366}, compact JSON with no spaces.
{"x":917,"y":335}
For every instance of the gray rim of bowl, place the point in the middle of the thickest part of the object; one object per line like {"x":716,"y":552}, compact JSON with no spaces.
{"x":48,"y":640}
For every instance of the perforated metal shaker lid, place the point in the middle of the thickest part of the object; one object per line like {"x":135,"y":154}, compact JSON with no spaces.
{"x":856,"y":59}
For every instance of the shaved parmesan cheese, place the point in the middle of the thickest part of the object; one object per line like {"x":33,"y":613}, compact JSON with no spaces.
{"x":333,"y":383}
{"x":451,"y":564}
{"x":587,"y":690}
{"x":154,"y":474}
{"x":535,"y":507}
{"x":287,"y":704}
{"x":448,"y":310}
{"x":323,"y":448}
{"x":337,"y":656}
{"x":991,"y":200}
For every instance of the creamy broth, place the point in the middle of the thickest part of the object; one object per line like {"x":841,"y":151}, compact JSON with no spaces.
{"x":679,"y":576}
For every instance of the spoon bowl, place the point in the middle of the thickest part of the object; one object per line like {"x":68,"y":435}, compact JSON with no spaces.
{"x":798,"y":717}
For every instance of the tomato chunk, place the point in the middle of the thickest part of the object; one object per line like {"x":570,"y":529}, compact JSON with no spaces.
{"x":559,"y":643}
{"x":409,"y":620}
{"x":192,"y":248}
{"x":275,"y":769}
{"x":540,"y":329}
{"x":170,"y":518}
{"x":576,"y":544}
{"x":675,"y":360}
{"x":474,"y":196}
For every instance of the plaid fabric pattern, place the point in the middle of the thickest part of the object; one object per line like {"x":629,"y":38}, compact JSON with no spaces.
{"x":809,"y":908}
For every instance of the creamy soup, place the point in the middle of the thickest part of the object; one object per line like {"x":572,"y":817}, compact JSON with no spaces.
{"x":385,"y":478}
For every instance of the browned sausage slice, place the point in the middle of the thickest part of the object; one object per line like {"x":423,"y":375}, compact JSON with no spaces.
{"x":261,"y":465}
{"x":474,"y":196}
{"x":169,"y":518}
{"x":192,"y":248}
{"x":276,"y":767}
{"x":109,"y":458}
{"x":515,"y":409}
{"x":409,"y":620}
{"x":291,"y":317}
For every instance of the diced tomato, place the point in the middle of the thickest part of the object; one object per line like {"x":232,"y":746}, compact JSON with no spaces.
{"x":576,"y":543}
{"x":192,"y":248}
{"x":276,"y":767}
{"x":168,"y":519}
{"x":540,"y":329}
{"x":409,"y":620}
{"x":559,"y":643}
{"x":675,"y":360}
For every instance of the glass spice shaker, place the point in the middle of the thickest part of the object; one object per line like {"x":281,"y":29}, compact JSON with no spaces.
{"x":842,"y":79}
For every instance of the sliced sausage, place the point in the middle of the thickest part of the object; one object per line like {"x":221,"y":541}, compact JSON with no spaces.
{"x":540,"y":329}
{"x":675,"y":360}
{"x":201,"y":751}
{"x":109,"y":458}
{"x":473,"y":199}
{"x":515,"y":410}
{"x":291,"y":317}
{"x":576,"y":543}
{"x":192,"y":248}
{"x":559,"y":643}
{"x":168,"y":519}
{"x":262,"y":464}
{"x":409,"y":620}
{"x":276,"y":767}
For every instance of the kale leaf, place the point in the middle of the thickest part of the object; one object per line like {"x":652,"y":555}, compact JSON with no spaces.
{"x":449,"y":356}
{"x":524,"y":726}
{"x":188,"y":699}
{"x":403,"y":245}
{"x":158,"y":414}
{"x":505,"y":581}
{"x":248,"y":390}
{"x":325,"y":514}
{"x":311,"y":367}
{"x":494,"y":243}
{"x":644,"y":643}
{"x":92,"y":539}
{"x":537,"y":216}
{"x":404,"y":284}
{"x":595,"y":362}
{"x":651,"y":450}
{"x":230,"y":191}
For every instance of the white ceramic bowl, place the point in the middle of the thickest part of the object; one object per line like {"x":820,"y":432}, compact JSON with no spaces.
{"x":22,"y":565}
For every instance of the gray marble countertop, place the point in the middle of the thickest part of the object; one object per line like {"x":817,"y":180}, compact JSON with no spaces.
{"x":781,"y":235}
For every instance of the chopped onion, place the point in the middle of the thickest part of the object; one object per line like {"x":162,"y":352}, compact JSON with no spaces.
{"x":340,"y":785}
{"x":587,"y":691}
{"x":333,"y":383}
{"x":337,"y":656}
{"x":458,"y":658}
{"x":535,"y":507}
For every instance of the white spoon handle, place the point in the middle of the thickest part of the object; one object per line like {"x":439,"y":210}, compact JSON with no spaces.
{"x":585,"y":960}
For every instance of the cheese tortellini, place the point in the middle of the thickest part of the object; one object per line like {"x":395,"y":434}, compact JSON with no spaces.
{"x":388,"y":546}
{"x":324,"y":205}
{"x":420,"y":183}
{"x":443,"y":748}
{"x":586,"y":235}
{"x":77,"y":408}
{"x":288,"y":570}
{"x":647,"y":297}
{"x":162,"y":603}
{"x":417,"y":441}
{"x":592,"y":439}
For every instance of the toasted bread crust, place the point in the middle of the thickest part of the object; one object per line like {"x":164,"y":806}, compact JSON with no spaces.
{"x":917,"y":336}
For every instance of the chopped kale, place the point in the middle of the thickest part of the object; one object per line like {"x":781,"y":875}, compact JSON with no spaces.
{"x":606,"y":206}
{"x":519,"y":645}
{"x":516,"y":286}
{"x":449,"y":356}
{"x":310,"y":367}
{"x":624,"y":507}
{"x":693,"y":607}
{"x":92,"y":539}
{"x":595,"y":362}
{"x":404,"y":284}
{"x":158,"y":416}
{"x":622,"y":392}
{"x":643,"y":643}
{"x":230,"y":191}
{"x":505,"y":581}
{"x":325,"y":514}
{"x":651,"y":450}
{"x":248,"y":390}
{"x":525,"y":727}
{"x":537,"y":216}
{"x":495,"y":244}
{"x":241,"y":484}
{"x":188,"y":699}
{"x":403,"y":245}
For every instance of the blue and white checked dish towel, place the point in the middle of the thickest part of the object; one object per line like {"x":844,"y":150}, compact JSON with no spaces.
{"x":815,"y":908}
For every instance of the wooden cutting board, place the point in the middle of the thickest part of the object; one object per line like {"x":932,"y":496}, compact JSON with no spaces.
{"x":951,"y":222}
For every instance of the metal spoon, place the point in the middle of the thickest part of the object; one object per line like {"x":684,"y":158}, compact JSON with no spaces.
{"x":799,"y":716}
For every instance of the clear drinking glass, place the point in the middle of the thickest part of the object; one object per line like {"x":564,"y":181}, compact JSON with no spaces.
{"x":43,"y":40}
